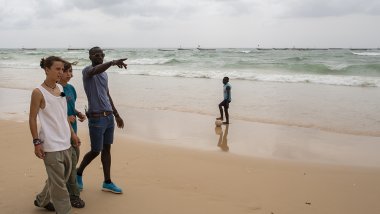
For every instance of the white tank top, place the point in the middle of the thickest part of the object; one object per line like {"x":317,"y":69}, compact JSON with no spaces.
{"x":54,"y":131}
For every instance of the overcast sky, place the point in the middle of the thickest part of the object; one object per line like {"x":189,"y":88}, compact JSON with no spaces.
{"x":188,"y":23}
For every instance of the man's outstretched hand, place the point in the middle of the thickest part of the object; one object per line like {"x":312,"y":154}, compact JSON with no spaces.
{"x":120,"y":63}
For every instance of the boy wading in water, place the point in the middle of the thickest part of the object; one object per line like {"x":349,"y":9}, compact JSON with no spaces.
{"x":226,"y":101}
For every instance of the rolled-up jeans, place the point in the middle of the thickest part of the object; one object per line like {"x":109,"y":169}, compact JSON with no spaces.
{"x":101,"y":131}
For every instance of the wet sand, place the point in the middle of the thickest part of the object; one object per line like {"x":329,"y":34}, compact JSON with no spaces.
{"x":251,"y":139}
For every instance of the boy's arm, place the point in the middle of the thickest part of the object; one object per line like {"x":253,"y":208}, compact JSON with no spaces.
{"x":35,"y":104}
{"x":74,"y":136}
{"x":228,"y":89}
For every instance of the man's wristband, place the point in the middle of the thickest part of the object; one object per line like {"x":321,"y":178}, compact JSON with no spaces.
{"x":37,"y":142}
{"x":113,"y":62}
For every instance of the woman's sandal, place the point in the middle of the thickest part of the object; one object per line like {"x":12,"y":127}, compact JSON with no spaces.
{"x":76,"y":201}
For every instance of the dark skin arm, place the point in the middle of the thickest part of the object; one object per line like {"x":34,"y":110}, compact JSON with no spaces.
{"x":119,"y":120}
{"x":97,"y":69}
{"x":228,"y":89}
{"x":80,"y":115}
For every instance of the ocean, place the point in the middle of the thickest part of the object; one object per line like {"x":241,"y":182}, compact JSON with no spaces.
{"x":334,"y":90}
{"x":358,"y":68}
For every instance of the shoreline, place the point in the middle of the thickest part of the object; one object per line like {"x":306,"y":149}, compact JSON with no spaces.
{"x":251,"y":139}
{"x":335,"y":109}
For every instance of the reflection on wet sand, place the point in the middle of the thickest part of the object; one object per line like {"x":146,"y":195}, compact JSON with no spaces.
{"x":222,"y":142}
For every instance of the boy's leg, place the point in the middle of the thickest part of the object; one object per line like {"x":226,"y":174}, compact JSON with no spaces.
{"x":43,"y":198}
{"x":226,"y":106}
{"x":221,"y":111}
{"x":58,"y":168}
{"x":227,"y":115}
{"x":72,"y":186}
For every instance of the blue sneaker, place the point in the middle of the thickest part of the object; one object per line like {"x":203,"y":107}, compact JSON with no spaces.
{"x":111,"y":187}
{"x":80,"y":182}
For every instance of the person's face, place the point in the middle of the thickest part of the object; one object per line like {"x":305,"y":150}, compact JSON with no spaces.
{"x":97,"y":56}
{"x":55,"y":72}
{"x":225,"y":80}
{"x":67,"y":75}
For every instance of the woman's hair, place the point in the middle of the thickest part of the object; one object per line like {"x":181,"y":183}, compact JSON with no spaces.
{"x":48,"y":62}
{"x":68,"y":65}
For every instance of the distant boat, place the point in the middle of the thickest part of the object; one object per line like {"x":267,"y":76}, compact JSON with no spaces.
{"x":299,"y":49}
{"x":317,"y":49}
{"x":359,"y":49}
{"x":264,"y":49}
{"x":205,"y":49}
{"x":166,"y":49}
{"x":75,"y":49}
{"x":184,"y":49}
{"x":29,"y":49}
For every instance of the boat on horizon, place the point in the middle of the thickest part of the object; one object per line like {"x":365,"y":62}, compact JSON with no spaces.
{"x":205,"y":49}
{"x":75,"y":49}
{"x":264,"y":49}
{"x":29,"y":49}
{"x":166,"y":49}
{"x":359,"y":49}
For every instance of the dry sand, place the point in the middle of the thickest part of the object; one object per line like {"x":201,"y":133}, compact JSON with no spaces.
{"x":164,"y":179}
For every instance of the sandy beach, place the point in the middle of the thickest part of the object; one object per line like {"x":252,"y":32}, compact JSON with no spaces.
{"x":297,"y":143}
{"x":162,"y":178}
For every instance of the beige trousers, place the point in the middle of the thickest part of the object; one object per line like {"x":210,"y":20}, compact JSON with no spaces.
{"x":58,"y":168}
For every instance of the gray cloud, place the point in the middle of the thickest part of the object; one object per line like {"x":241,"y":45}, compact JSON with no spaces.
{"x":126,"y":8}
{"x":167,"y":8}
{"x":325,"y":8}
{"x":210,"y":22}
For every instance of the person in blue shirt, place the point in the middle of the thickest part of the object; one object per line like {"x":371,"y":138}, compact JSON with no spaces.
{"x":226,"y":100}
{"x":101,"y":114}
{"x":72,"y":114}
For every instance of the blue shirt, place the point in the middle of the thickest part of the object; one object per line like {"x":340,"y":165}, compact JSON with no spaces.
{"x":71,"y":97}
{"x":225,"y":94}
{"x":96,"y":88}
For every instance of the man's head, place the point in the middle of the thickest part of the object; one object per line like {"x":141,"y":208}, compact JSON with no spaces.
{"x":226,"y":80}
{"x":96,"y":55}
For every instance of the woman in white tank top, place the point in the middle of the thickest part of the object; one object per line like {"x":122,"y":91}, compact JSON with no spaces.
{"x":52,"y":142}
